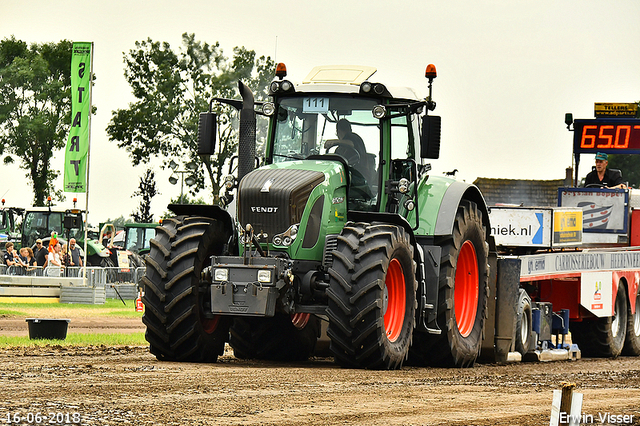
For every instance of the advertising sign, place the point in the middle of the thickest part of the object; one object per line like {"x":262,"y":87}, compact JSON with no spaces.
{"x":76,"y":151}
{"x":521,"y":227}
{"x":603,"y":210}
{"x":596,"y":293}
{"x":567,"y":227}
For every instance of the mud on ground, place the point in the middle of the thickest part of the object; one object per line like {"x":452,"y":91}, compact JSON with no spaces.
{"x":127,"y":385}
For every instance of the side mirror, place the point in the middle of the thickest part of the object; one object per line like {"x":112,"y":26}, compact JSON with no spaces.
{"x":207,"y":133}
{"x":430,"y":138}
{"x":71,"y":222}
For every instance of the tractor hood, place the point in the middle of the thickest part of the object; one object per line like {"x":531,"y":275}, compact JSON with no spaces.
{"x":274,"y":197}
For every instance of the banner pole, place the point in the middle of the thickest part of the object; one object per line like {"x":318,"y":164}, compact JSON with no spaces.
{"x":86,"y":215}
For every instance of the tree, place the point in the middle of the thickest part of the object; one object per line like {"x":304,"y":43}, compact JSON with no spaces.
{"x":35,"y":108}
{"x":118,"y":222}
{"x":147,"y":190}
{"x":629,"y":164}
{"x":184,"y":200}
{"x":172,"y":89}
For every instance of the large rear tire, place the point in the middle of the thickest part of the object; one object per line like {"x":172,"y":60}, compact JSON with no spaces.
{"x":372,"y":296}
{"x":275,"y":338}
{"x":462,"y":296}
{"x":603,"y":337}
{"x":632,"y":340}
{"x":177,"y":329}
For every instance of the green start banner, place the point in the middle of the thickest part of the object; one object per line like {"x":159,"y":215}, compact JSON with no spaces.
{"x":76,"y":152}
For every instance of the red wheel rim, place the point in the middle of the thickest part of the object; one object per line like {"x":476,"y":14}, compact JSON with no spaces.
{"x":395,"y":302}
{"x":210,"y":324}
{"x":300,"y":320}
{"x":466,"y":289}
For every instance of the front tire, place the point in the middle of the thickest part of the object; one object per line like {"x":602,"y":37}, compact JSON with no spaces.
{"x":462,"y":296}
{"x":177,"y":329}
{"x":372,"y":296}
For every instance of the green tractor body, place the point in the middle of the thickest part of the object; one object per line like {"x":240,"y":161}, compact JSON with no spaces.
{"x":342,"y":228}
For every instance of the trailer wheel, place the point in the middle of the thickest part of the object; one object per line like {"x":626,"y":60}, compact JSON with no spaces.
{"x":276,"y":338}
{"x":603,"y":337}
{"x":524,"y":332}
{"x":462,"y":297}
{"x":632,"y":340}
{"x":372,"y":298}
{"x":177,"y":329}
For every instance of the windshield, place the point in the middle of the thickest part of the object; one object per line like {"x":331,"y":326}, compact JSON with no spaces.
{"x":138,"y":239}
{"x":42,"y":224}
{"x":336,"y":124}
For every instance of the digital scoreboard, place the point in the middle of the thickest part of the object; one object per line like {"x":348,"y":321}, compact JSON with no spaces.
{"x":613,"y":136}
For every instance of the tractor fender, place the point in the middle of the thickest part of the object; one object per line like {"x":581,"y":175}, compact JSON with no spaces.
{"x":438,"y":201}
{"x":210,"y":211}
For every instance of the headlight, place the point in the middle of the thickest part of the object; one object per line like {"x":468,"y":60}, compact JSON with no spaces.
{"x":403,"y":185}
{"x":287,"y":237}
{"x":221,"y":274}
{"x":268,"y":108}
{"x":264,"y":276}
{"x":379,"y":111}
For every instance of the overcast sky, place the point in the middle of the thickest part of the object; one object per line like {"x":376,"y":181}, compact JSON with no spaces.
{"x":508,"y":71}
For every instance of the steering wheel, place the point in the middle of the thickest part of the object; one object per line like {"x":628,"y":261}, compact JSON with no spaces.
{"x":595,"y":185}
{"x":347,"y":151}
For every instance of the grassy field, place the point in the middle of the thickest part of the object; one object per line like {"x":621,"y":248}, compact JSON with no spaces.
{"x":113,"y":308}
{"x":76,"y":339}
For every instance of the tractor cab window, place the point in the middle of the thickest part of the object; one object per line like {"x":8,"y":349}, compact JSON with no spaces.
{"x":402,"y":140}
{"x":336,"y":124}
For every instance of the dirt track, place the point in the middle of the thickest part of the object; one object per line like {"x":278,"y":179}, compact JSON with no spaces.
{"x":124,"y":385}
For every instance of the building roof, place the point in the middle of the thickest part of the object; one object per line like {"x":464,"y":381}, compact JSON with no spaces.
{"x":532,"y":193}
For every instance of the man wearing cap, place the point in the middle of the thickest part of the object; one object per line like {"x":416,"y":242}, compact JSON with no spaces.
{"x":40,"y":254}
{"x":602,"y":176}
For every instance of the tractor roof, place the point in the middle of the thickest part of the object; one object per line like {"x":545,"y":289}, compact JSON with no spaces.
{"x":346,"y":79}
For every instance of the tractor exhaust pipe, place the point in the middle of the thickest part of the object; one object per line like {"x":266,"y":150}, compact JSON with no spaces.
{"x":247,"y":133}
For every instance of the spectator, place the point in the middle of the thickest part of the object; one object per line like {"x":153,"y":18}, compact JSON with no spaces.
{"x":74,"y":251}
{"x":22,"y":258}
{"x":65,"y":259}
{"x":53,"y":241}
{"x":41,"y":254}
{"x":30,"y":258}
{"x":54,"y":261}
{"x":10,"y":255}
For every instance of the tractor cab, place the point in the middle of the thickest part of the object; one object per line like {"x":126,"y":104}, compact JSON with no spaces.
{"x":10,"y":224}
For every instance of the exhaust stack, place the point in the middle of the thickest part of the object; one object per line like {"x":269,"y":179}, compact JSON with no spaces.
{"x":247,"y":133}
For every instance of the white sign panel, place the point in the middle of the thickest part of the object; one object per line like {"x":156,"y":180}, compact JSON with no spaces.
{"x":525,"y":227}
{"x":602,"y":210}
{"x":596,"y":293}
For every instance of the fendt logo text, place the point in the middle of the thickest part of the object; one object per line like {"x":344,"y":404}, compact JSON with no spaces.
{"x":264,"y":209}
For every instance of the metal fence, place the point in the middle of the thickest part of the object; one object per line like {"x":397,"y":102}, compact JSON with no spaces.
{"x":95,"y":275}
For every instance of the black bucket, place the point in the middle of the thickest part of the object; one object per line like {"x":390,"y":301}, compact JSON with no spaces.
{"x":47,"y":328}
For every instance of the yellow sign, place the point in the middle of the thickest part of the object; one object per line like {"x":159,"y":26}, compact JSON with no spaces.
{"x":603,"y":109}
{"x":567,"y":226}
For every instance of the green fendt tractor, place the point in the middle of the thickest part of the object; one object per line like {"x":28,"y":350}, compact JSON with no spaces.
{"x":341,"y":225}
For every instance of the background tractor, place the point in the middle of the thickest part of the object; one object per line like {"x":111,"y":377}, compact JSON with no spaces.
{"x":10,"y":219}
{"x":341,"y":229}
{"x":40,"y":222}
